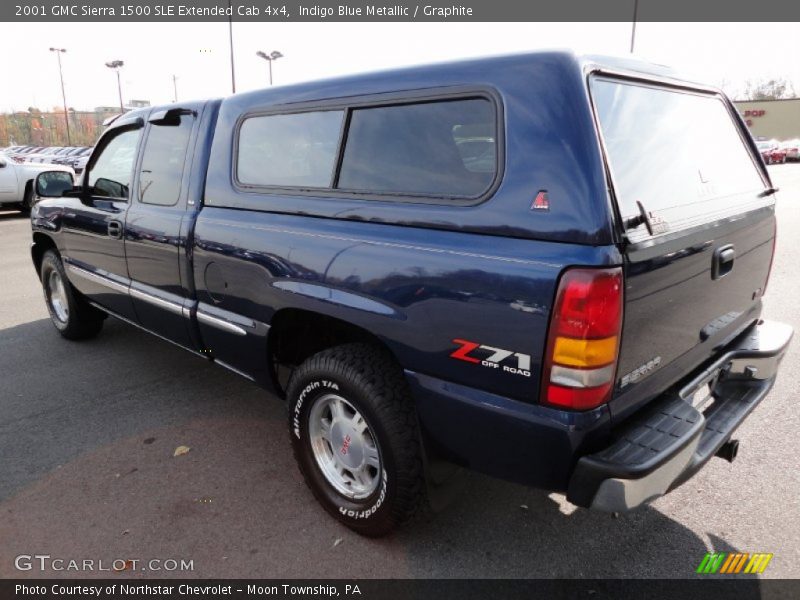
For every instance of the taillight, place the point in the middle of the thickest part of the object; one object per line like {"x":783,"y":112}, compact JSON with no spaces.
{"x":583,"y":343}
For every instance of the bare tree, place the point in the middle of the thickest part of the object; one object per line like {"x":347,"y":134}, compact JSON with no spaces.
{"x":768,"y":89}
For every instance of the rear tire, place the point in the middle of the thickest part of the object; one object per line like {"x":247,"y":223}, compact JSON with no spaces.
{"x":355,"y":437}
{"x":72,"y":316}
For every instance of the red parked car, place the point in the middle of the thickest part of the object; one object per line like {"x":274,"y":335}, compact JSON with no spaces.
{"x":771,"y":152}
{"x":792,"y":148}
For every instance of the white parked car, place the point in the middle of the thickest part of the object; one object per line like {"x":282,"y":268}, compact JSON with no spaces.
{"x":17,"y":179}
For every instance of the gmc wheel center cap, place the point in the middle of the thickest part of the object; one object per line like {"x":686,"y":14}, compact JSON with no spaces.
{"x":347,"y":445}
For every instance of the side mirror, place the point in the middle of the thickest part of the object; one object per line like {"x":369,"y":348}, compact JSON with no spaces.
{"x":109,"y":188}
{"x":53,"y":184}
{"x":3,"y":163}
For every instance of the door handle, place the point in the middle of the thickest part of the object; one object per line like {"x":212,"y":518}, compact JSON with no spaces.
{"x":722,"y":261}
{"x":115,"y":229}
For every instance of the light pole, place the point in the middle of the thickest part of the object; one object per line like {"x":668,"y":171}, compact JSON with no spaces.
{"x":175,"y":88}
{"x":230,"y":41}
{"x":633,"y":25}
{"x":274,"y":55}
{"x":117,"y":65}
{"x":59,"y":52}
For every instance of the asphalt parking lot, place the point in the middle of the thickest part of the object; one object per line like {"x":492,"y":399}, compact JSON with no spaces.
{"x":88,"y":431}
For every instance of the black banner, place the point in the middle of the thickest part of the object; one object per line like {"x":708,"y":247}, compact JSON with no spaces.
{"x":600,"y":589}
{"x":400,"y":10}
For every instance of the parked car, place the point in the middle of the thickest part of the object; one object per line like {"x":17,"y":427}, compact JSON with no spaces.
{"x":792,"y":149}
{"x":771,"y":152}
{"x":33,"y":156}
{"x":75,"y":158}
{"x":79,"y":163}
{"x":71,"y":155}
{"x":577,"y":310}
{"x":19,"y":155}
{"x":13,"y":152}
{"x":46,"y":155}
{"x":17,"y":181}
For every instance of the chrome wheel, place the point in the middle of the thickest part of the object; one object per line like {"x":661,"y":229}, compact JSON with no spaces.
{"x":57,"y":296}
{"x":344,"y":447}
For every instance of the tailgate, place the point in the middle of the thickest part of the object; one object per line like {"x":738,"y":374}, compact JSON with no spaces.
{"x":698,"y":227}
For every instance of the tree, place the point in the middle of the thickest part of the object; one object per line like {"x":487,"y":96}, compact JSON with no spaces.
{"x":768,"y":89}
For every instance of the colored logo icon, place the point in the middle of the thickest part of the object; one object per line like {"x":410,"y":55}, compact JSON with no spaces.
{"x":732,"y":563}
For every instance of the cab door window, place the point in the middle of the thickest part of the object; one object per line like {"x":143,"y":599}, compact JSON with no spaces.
{"x":111,"y":173}
{"x":163,"y":161}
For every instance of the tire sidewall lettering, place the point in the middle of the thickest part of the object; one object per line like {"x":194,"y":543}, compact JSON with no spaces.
{"x":368,"y":512}
{"x":312,"y":386}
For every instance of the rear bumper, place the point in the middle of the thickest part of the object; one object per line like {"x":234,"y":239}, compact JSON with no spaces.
{"x":527,"y":443}
{"x":664,"y":445}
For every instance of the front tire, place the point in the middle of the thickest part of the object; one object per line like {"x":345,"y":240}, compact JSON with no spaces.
{"x":355,"y":437}
{"x":72,"y":316}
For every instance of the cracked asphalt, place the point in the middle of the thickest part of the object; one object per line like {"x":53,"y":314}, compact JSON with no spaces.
{"x":88,"y":431}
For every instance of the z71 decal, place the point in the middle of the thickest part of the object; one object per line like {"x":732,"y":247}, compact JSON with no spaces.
{"x":495,"y":358}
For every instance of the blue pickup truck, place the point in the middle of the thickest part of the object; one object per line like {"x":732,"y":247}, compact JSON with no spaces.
{"x":544,"y":267}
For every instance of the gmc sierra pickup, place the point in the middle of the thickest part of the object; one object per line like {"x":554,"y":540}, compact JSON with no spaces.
{"x":545,"y":267}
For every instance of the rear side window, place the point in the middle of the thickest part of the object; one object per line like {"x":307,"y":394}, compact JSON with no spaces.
{"x":432,"y":148}
{"x":678,"y":153}
{"x":289,"y":150}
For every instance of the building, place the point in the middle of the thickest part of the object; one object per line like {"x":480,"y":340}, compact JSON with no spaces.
{"x":772,"y":119}
{"x":131,"y":105}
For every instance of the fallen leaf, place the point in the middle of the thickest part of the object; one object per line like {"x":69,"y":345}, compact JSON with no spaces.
{"x":127,"y":565}
{"x":523,"y":506}
{"x":337,"y":542}
{"x":181,"y":450}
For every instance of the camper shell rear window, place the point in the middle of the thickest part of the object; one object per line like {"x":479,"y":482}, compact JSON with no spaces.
{"x":679,"y":153}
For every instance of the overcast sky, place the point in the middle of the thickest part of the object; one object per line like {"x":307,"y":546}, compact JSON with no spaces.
{"x":726,"y":54}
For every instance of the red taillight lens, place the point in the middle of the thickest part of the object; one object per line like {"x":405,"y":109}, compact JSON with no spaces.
{"x":583,"y":343}
{"x":588,"y":304}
